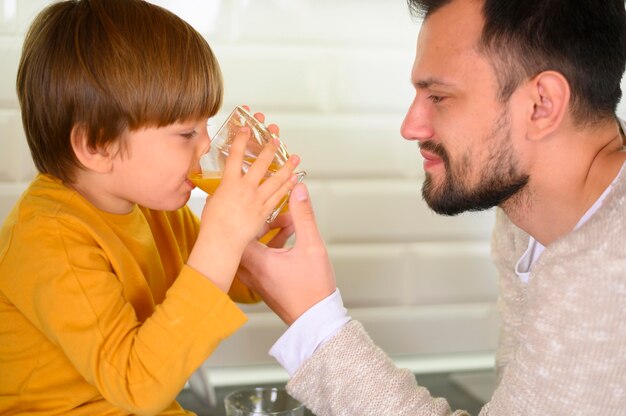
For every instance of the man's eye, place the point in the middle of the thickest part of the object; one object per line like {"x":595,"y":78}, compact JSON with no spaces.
{"x":436,"y":98}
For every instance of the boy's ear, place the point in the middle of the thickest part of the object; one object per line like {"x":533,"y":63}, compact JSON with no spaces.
{"x":550,"y":95}
{"x":97,"y":159}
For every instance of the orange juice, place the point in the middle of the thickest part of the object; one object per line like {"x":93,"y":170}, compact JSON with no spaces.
{"x":269,"y":235}
{"x":209,"y":182}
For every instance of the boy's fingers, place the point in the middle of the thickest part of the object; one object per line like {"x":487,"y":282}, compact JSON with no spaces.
{"x":260,"y":117}
{"x":261,"y":165}
{"x":276,"y":187}
{"x":236,"y":151}
{"x":274,"y":129}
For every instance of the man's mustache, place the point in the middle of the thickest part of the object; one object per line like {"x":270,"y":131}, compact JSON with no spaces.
{"x":435,"y":148}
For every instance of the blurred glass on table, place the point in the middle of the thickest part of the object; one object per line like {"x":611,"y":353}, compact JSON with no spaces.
{"x":262,"y":401}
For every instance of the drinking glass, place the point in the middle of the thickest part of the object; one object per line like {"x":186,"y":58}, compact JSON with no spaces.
{"x":262,"y":401}
{"x":211,"y":166}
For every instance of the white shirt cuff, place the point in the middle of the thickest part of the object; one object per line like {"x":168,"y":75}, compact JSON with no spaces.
{"x":309,"y":332}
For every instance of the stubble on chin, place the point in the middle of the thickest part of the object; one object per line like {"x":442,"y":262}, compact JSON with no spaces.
{"x":501,"y":181}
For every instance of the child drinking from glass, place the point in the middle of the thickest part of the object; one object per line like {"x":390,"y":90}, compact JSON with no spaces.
{"x":111,"y":291}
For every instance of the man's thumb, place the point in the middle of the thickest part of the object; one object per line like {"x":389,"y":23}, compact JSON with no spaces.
{"x":302,"y":212}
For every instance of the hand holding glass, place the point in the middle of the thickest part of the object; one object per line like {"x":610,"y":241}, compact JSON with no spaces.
{"x":212,"y":163}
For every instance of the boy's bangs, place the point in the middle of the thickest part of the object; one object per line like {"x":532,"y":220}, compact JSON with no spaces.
{"x":188,"y":86}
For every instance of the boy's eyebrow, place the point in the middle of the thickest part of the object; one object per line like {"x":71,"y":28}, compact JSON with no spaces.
{"x":429,"y":82}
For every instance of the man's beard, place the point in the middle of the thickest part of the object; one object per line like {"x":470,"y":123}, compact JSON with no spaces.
{"x":500,"y":178}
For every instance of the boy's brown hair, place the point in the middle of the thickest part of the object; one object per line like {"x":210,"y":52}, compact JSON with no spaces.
{"x":107,"y":66}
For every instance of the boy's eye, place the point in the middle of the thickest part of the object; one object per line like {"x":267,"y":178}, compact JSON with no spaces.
{"x":189,"y":135}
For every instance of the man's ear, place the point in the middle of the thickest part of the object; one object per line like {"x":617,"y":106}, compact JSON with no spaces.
{"x":550,"y":94}
{"x":98,"y":159}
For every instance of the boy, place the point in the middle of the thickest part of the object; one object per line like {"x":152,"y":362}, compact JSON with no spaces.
{"x":111,"y":291}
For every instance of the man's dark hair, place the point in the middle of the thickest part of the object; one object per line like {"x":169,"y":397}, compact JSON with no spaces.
{"x":584,"y":40}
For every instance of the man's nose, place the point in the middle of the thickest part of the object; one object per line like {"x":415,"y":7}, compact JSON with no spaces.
{"x":417,"y":124}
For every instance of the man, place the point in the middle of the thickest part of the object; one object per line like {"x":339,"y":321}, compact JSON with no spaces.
{"x":514,"y":107}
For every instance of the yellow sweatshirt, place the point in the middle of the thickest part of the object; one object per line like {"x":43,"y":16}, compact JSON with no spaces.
{"x":99,"y":315}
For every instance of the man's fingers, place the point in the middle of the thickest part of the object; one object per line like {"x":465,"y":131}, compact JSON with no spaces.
{"x":303,"y":216}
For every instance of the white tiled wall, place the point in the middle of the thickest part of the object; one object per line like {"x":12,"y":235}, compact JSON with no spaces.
{"x":335,"y":76}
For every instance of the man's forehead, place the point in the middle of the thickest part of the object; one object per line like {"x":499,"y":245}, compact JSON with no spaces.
{"x":457,"y":24}
{"x":448,"y":37}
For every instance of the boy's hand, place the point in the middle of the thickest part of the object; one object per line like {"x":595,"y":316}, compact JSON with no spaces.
{"x":291,"y":280}
{"x":237,"y":210}
{"x":241,"y":204}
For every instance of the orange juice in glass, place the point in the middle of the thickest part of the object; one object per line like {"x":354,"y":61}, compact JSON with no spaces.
{"x":209,"y":175}
{"x":209,"y":184}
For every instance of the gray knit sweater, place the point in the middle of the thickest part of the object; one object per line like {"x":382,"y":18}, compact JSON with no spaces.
{"x":562,"y":349}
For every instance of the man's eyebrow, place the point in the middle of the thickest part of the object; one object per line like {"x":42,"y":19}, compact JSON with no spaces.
{"x":429,"y":82}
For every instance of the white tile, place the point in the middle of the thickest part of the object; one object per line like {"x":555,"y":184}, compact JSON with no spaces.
{"x":8,"y":16}
{"x":274,"y":77}
{"x":451,"y":272}
{"x":393,"y":210}
{"x":349,"y":145}
{"x":17,"y":15}
{"x":27,"y":170}
{"x":16,"y":163}
{"x":27,"y":10}
{"x":375,"y":80}
{"x":432,"y":329}
{"x":11,"y":146}
{"x":10,"y":50}
{"x":372,"y":274}
{"x":250,"y":344}
{"x":405,"y":331}
{"x":215,"y":19}
{"x":311,"y":78}
{"x":326,"y":22}
{"x":414,"y":274}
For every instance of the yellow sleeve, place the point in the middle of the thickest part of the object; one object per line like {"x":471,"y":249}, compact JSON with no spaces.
{"x":63,"y":282}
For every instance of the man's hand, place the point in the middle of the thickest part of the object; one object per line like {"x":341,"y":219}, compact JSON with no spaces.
{"x":291,"y":280}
